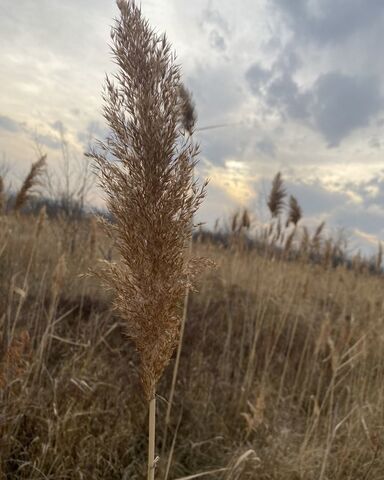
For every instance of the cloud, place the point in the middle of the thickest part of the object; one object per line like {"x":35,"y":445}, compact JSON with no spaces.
{"x":7,"y":123}
{"x":341,"y":104}
{"x":217,"y":27}
{"x":335,"y":105}
{"x":266,"y":147}
{"x":257,"y":77}
{"x":330,"y":21}
{"x":48,"y":141}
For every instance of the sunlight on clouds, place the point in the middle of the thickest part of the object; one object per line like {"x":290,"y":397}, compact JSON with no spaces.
{"x":235,"y":179}
{"x":366,"y":237}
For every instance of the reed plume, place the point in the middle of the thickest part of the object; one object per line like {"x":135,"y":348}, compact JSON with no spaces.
{"x":316,"y":238}
{"x":295,"y":212}
{"x":146,"y":170}
{"x":30,"y":181}
{"x":276,"y":196}
{"x":246,"y":220}
{"x":187,"y":109}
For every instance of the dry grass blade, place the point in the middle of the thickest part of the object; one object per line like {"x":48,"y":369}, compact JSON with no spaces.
{"x":379,"y":257}
{"x":203,"y":474}
{"x":276,"y":197}
{"x":30,"y":181}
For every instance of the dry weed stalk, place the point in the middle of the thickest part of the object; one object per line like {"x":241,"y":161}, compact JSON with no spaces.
{"x":2,"y":196}
{"x":30,"y":181}
{"x":150,"y":193}
{"x":93,"y":237}
{"x":379,"y":258}
{"x":188,"y":120}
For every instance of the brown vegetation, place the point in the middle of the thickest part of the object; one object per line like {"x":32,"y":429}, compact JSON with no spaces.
{"x":280,"y":373}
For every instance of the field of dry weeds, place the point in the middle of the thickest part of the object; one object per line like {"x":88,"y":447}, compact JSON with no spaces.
{"x":281,"y":372}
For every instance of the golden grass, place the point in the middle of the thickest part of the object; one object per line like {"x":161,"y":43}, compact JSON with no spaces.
{"x":145,"y":168}
{"x":282,"y":359}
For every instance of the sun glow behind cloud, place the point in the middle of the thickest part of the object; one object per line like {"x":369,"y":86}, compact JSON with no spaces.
{"x":235,"y":179}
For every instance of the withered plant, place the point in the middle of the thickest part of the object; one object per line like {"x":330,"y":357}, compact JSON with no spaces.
{"x":295,"y":212}
{"x":146,"y":170}
{"x":276,"y":196}
{"x":31,"y":180}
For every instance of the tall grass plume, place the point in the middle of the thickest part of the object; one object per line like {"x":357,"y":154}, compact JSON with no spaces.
{"x":146,"y":170}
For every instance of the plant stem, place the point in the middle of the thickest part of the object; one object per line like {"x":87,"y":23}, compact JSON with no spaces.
{"x":175,"y":371}
{"x":151,"y":438}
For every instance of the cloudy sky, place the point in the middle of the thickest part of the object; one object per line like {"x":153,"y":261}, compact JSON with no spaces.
{"x":298,"y":84}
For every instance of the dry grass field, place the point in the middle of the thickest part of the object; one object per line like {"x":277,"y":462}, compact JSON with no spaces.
{"x":267,"y":366}
{"x":281,"y":372}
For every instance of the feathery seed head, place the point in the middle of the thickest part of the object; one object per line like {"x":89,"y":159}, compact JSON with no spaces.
{"x":146,"y":170}
{"x":295,"y":211}
{"x":187,"y":110}
{"x":276,"y":196}
{"x":30,"y":181}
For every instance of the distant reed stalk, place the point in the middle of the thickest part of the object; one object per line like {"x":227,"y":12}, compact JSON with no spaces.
{"x":276,"y":196}
{"x":30,"y":181}
{"x":295,"y":212}
{"x":2,"y":196}
{"x":146,"y":170}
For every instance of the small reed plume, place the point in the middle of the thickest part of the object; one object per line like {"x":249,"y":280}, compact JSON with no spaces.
{"x":316,"y":238}
{"x":150,"y":193}
{"x":246,"y":220}
{"x":187,"y":110}
{"x":276,"y":197}
{"x":30,"y":181}
{"x":235,"y":222}
{"x":295,"y":212}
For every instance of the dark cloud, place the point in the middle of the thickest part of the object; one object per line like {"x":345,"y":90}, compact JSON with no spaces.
{"x":330,"y":21}
{"x":342,"y":103}
{"x":284,"y":94}
{"x":335,"y":105}
{"x":7,"y":123}
{"x":257,"y":77}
